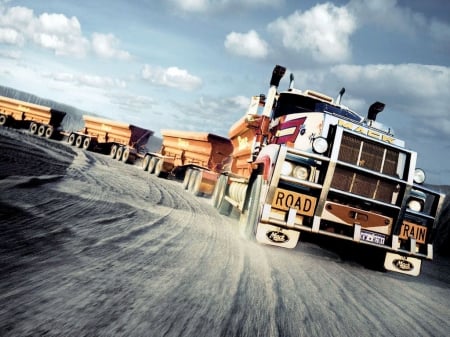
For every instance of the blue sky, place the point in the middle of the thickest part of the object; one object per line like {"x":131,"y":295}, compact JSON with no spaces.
{"x":193,"y":64}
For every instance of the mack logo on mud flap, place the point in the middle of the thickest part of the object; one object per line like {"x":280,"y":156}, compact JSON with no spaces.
{"x":277,"y":237}
{"x":402,"y":264}
{"x":285,"y":200}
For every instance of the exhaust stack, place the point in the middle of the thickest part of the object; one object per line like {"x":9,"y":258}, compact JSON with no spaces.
{"x":374,"y":110}
{"x":339,"y":98}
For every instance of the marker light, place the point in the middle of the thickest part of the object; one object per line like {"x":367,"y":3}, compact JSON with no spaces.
{"x":415,"y":205}
{"x":320,"y":145}
{"x":287,"y":168}
{"x":300,"y":172}
{"x":419,"y":176}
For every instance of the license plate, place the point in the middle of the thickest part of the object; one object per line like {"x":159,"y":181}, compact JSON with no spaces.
{"x":372,"y":237}
{"x":409,"y":229}
{"x":284,"y":199}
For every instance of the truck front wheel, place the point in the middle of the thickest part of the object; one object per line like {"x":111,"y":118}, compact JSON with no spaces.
{"x":252,"y":212}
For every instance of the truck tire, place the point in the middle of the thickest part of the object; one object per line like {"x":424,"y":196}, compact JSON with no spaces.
{"x":152,"y":165}
{"x":113,"y":152}
{"x":127,"y":157}
{"x":119,"y":153}
{"x":159,"y":169}
{"x":196,"y":183}
{"x":145,"y":162}
{"x":87,"y":143}
{"x":49,"y":132}
{"x":79,"y":141}
{"x":72,"y":138}
{"x":187,"y":177}
{"x":33,"y":128}
{"x":3,"y":120}
{"x":219,"y":190}
{"x":252,"y":211}
{"x":41,"y":130}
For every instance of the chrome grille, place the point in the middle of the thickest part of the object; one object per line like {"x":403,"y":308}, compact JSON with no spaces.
{"x":371,"y":156}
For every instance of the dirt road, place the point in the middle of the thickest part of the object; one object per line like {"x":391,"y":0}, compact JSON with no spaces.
{"x":93,"y":247}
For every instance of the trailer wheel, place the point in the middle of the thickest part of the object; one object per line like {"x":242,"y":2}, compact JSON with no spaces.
{"x":113,"y":152}
{"x":219,"y":190}
{"x":195,"y":182}
{"x":41,"y":130}
{"x":126,"y":156}
{"x":145,"y":162}
{"x":48,"y":132}
{"x":119,"y":153}
{"x":186,"y":179}
{"x":79,"y":141}
{"x":3,"y":120}
{"x":71,"y":139}
{"x":87,"y":143}
{"x":253,"y":210}
{"x":152,"y":165}
{"x":33,"y":128}
{"x":159,"y":169}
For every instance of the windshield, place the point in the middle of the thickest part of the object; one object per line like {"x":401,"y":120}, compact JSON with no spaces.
{"x":289,"y":103}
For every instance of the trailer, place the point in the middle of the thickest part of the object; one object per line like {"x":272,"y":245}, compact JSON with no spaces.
{"x":41,"y":120}
{"x":197,"y":158}
{"x":121,"y":141}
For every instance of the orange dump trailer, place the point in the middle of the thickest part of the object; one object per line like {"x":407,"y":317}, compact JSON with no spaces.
{"x":197,"y":158}
{"x":41,"y":120}
{"x":121,"y":141}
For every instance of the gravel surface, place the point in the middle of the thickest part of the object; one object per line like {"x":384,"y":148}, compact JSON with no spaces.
{"x":93,"y":247}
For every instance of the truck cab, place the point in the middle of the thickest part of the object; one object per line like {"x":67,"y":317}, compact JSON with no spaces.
{"x":307,"y":163}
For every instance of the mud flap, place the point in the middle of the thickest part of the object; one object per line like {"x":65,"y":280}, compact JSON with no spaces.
{"x":273,"y":235}
{"x":402,"y":264}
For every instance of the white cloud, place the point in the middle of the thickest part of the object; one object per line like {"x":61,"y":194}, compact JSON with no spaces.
{"x":415,"y":90}
{"x":106,"y":46}
{"x":173,"y":77}
{"x":323,"y":31}
{"x":248,"y":44}
{"x":87,"y":80}
{"x":389,"y":15}
{"x":55,"y":32}
{"x":199,"y":6}
{"x":11,"y":36}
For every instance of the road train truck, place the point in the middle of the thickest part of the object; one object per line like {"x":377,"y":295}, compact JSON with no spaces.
{"x":303,"y":162}
{"x":197,"y":158}
{"x":41,"y":120}
{"x":121,"y":141}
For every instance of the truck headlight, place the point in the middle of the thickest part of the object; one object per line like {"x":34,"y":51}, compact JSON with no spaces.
{"x":320,"y":145}
{"x":287,"y":168}
{"x":415,"y":205}
{"x":419,"y":176}
{"x":300,"y":172}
